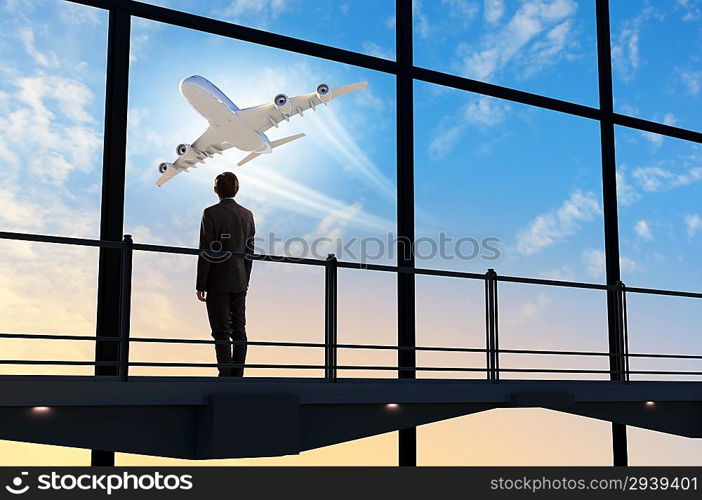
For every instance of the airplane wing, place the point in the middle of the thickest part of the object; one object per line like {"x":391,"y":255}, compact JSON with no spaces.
{"x":265,"y":116}
{"x":206,"y":146}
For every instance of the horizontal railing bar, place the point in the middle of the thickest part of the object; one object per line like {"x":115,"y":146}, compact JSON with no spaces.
{"x":66,"y":240}
{"x":157,"y":364}
{"x":657,"y":291}
{"x":49,"y":336}
{"x":56,"y":362}
{"x":261,"y":343}
{"x":254,"y":256}
{"x":175,"y":364}
{"x":342,"y":264}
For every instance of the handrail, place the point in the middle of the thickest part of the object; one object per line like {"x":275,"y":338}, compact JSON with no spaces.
{"x":271,"y":343}
{"x":331,"y":345}
{"x":147,"y":247}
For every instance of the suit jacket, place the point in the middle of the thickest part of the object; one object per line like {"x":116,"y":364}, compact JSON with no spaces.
{"x":229,"y":227}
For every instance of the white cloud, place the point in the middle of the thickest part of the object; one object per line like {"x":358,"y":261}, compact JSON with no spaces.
{"x":421,"y":22}
{"x":657,"y":178}
{"x":691,"y":10}
{"x":461,"y":11}
{"x":693,"y":223}
{"x":625,"y":52}
{"x":445,"y":140}
{"x":485,"y":111}
{"x":551,"y":227}
{"x":390,"y":22}
{"x":626,"y":193}
{"x":480,"y":112}
{"x":643,"y":230}
{"x":259,"y":13}
{"x":135,"y":116}
{"x":656,"y":139}
{"x":46,"y":59}
{"x":626,"y":56}
{"x":373,"y":49}
{"x":528,"y":310}
{"x":493,"y":10}
{"x":369,"y":99}
{"x":595,"y":263}
{"x":532,"y":39}
{"x":692,"y":81}
{"x":50,"y":125}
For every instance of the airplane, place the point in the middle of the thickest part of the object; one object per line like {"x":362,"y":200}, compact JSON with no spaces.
{"x":243,"y":129}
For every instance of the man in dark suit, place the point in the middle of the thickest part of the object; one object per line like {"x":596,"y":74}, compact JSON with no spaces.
{"x":222,"y":280}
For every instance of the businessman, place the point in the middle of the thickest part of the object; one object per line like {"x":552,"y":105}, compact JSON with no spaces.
{"x":223,"y":279}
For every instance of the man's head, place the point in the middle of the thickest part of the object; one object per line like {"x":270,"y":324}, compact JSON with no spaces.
{"x":226,"y":185}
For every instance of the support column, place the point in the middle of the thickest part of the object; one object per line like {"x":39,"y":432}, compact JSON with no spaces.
{"x":112,"y":206}
{"x":407,"y":439}
{"x":611,"y":224}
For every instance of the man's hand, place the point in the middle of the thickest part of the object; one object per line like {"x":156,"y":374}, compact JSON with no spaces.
{"x":200,"y":295}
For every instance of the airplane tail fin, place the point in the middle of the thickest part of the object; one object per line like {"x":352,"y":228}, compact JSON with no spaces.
{"x":274,"y":144}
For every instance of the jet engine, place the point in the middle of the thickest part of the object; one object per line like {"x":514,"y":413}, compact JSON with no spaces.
{"x":188,"y":153}
{"x":324,"y":92}
{"x":163,"y":167}
{"x":282,"y":104}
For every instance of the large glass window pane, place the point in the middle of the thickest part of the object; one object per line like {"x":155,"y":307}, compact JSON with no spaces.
{"x":47,"y":289}
{"x":656,"y":62}
{"x":52,"y":84}
{"x":506,"y":186}
{"x":360,"y":25}
{"x":367,"y":314}
{"x":332,"y":191}
{"x":542,"y":46}
{"x":660,"y":218}
{"x":52,"y":87}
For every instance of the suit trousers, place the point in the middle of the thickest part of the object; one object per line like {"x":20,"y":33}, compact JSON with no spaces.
{"x":227,"y":314}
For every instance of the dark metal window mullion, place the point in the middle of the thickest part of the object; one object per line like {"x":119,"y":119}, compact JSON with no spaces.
{"x":609,"y":202}
{"x":406,"y":324}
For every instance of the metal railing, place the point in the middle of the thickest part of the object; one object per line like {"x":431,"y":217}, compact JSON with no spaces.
{"x":331,"y":265}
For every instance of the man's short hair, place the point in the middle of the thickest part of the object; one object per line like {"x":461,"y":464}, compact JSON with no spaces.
{"x":227,"y":184}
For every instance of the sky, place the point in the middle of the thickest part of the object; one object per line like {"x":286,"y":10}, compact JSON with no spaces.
{"x":525,"y":180}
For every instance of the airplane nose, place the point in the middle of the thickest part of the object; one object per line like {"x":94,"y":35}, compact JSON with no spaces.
{"x":189,"y":82}
{"x":190,"y":87}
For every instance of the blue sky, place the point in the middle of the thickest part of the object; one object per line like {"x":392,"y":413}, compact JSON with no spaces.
{"x":484,"y":167}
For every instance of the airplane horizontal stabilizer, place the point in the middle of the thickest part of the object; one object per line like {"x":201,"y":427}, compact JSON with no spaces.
{"x":248,"y":158}
{"x":285,"y":140}
{"x":274,"y":144}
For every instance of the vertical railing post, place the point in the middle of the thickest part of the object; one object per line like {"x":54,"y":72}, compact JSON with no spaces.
{"x":622,"y":327}
{"x":491,"y":326}
{"x":125,"y":306}
{"x":330,"y":340}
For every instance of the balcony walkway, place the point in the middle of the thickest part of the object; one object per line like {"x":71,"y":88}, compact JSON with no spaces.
{"x":202,"y":418}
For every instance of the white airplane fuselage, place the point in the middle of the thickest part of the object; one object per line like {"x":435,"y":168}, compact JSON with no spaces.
{"x":222,"y":115}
